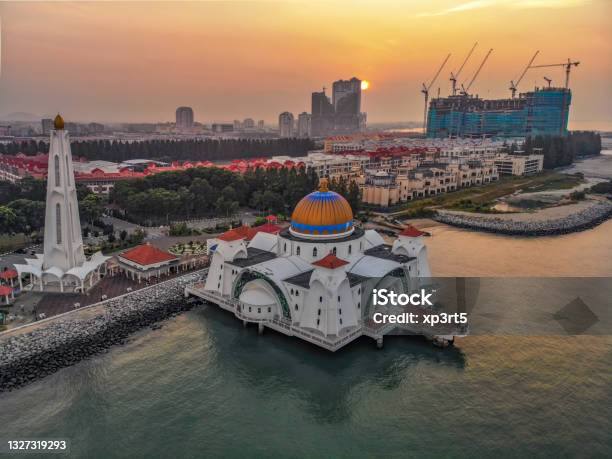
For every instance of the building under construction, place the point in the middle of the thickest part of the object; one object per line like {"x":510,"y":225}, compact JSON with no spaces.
{"x":542,"y":111}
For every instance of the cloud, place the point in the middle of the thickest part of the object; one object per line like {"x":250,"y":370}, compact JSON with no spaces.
{"x":515,"y":4}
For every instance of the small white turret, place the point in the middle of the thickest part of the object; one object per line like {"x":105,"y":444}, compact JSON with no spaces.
{"x":330,"y":304}
{"x":230,"y":246}
{"x":410,"y":242}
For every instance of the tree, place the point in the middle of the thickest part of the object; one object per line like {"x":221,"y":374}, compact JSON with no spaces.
{"x":123,"y":235}
{"x":30,"y":213}
{"x":8,"y":220}
{"x":354,"y":196}
{"x":91,"y":208}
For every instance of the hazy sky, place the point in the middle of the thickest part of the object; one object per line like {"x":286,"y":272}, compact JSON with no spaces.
{"x":138,"y":61}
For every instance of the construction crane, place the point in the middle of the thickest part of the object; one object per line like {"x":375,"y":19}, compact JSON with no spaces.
{"x":464,"y":90}
{"x":454,"y":76}
{"x":568,"y":66}
{"x":425,"y":91}
{"x":548,"y":80}
{"x":513,"y":85}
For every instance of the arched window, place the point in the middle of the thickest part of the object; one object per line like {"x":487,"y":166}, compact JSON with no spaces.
{"x":297,"y":251}
{"x":314,"y":252}
{"x":334,"y":251}
{"x":285,"y":247}
{"x":58,"y":223}
{"x":57,"y":170}
{"x":350,"y":248}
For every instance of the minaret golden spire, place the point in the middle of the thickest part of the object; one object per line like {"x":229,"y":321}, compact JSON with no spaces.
{"x":323,"y":185}
{"x":58,"y":122}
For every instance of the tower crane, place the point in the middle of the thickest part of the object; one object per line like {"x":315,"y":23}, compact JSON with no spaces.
{"x":568,"y":66}
{"x":425,"y":91}
{"x":513,"y":85}
{"x":548,"y":80}
{"x":464,"y":90}
{"x":454,"y":76}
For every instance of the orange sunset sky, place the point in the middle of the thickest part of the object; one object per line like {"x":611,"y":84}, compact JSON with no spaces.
{"x":138,"y":61}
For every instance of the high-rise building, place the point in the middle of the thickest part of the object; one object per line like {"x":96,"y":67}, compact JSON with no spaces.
{"x":322,"y":110}
{"x":184,"y":117}
{"x":346,"y":99}
{"x":237,"y":125}
{"x":286,"y":124}
{"x":346,"y":96}
{"x":303,"y":127}
{"x":543,"y":111}
{"x":47,"y":125}
{"x":261,"y":125}
{"x":248,"y":123}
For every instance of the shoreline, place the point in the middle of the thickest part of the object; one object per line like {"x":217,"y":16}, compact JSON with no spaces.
{"x":30,"y":355}
{"x":582,"y":220}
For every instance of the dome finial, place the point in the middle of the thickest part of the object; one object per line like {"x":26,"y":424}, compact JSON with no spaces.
{"x":323,"y":185}
{"x":58,"y":122}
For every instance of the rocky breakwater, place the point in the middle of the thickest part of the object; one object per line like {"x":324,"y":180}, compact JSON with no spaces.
{"x":584,"y":219}
{"x":29,"y":356}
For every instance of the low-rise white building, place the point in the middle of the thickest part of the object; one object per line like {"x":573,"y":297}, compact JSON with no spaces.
{"x":519,"y":164}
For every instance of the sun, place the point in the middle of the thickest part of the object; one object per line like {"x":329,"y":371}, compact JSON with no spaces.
{"x":365,"y":84}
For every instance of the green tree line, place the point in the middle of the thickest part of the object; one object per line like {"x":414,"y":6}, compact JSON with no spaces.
{"x":171,"y":150}
{"x":205,"y":192}
{"x":22,"y":205}
{"x":561,"y":151}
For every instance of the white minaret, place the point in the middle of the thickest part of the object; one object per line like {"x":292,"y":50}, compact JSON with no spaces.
{"x":63,"y":247}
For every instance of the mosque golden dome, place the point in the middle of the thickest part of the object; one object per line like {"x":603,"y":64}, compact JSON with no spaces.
{"x":322,"y":214}
{"x":58,"y":122}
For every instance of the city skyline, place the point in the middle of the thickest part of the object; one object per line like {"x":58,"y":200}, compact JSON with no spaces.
{"x":133,"y":63}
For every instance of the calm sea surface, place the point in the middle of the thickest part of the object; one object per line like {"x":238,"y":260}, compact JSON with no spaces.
{"x":203,"y":386}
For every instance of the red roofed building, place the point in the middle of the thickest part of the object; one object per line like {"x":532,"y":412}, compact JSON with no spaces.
{"x":146,"y":261}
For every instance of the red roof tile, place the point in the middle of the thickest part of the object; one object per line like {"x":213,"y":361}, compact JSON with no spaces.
{"x":147,"y":254}
{"x":330,"y":261}
{"x":411,"y":231}
{"x":232,"y":235}
{"x":268,"y":228}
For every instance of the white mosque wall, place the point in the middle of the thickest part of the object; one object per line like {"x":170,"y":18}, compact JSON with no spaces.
{"x":312,"y":251}
{"x":259,"y":301}
{"x":296,"y":298}
{"x":219,"y":277}
{"x":329,"y":306}
{"x":413,"y":247}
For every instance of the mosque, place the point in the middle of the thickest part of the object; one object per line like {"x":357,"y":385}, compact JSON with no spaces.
{"x":314,"y":279}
